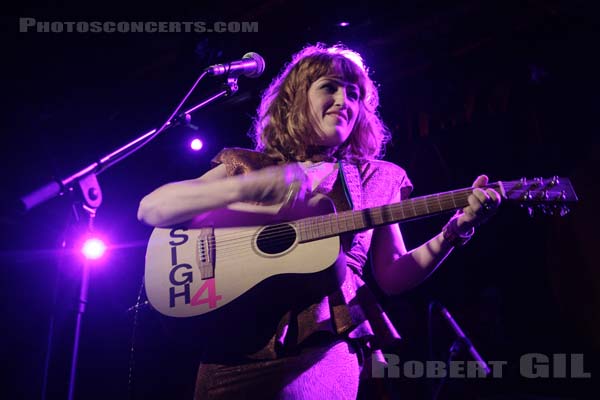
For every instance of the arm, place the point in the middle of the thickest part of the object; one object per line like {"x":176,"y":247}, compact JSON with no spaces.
{"x":181,"y":201}
{"x":395,"y":269}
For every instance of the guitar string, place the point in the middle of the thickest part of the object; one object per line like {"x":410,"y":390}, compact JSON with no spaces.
{"x":230,"y":246}
{"x":411,"y":203}
{"x":282,"y":233}
{"x":420,"y":203}
{"x":313,"y":224}
{"x":227,"y":247}
{"x":237,"y":246}
{"x":415,"y":208}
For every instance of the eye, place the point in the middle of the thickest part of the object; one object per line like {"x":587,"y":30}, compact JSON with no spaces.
{"x":353,"y":95}
{"x":329,"y":87}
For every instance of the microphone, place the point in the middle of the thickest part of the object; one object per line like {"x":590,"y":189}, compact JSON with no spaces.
{"x":251,"y":65}
{"x":461,"y":335}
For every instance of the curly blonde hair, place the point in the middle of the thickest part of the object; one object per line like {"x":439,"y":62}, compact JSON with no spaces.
{"x":283,"y":128}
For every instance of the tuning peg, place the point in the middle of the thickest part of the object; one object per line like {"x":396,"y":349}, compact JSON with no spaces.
{"x":563,"y":195}
{"x":527,"y":195}
{"x":564,"y":210}
{"x":538,"y":182}
{"x":555,"y":181}
{"x":530,"y":211}
{"x":545,"y":195}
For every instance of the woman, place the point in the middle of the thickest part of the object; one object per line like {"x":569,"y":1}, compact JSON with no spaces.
{"x":318,"y":132}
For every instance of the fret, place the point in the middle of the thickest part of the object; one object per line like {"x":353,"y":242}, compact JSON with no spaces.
{"x":380,"y":216}
{"x":374,"y":216}
{"x":345,"y":222}
{"x":339,"y":224}
{"x":439,"y":203}
{"x":332,"y":229}
{"x":401,"y":207}
{"x":387,"y":215}
{"x":319,"y":226}
{"x":427,"y":205}
{"x":307,"y":228}
{"x":358,"y":220}
{"x":301,"y":235}
{"x":301,"y":232}
{"x":304,"y":227}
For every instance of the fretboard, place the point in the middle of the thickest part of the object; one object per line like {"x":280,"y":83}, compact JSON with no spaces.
{"x":320,"y":227}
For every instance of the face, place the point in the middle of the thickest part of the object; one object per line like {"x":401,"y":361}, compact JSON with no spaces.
{"x":334,"y":106}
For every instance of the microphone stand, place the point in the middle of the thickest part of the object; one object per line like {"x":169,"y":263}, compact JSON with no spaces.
{"x":61,"y":186}
{"x":458,"y":346}
{"x":85,"y":180}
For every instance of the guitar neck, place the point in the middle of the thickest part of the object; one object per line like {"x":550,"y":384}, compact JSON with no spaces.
{"x":320,"y":227}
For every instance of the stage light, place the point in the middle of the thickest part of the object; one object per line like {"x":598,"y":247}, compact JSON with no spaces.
{"x":196,"y":144}
{"x":93,"y":248}
{"x":344,"y":24}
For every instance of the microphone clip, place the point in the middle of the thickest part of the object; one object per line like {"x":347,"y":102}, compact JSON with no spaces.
{"x":231,"y":86}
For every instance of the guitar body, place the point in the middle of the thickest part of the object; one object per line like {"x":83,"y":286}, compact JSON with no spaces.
{"x":228,"y":272}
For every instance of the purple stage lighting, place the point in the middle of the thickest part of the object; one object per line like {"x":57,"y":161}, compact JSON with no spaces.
{"x":343,"y":24}
{"x":93,"y":248}
{"x":196,"y":144}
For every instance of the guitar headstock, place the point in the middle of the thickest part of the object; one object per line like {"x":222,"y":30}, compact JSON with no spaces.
{"x":551,"y":195}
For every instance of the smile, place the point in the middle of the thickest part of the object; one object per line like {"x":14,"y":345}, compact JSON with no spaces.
{"x":337,"y":115}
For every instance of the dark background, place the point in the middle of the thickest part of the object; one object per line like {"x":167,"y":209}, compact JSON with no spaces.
{"x":509,"y":89}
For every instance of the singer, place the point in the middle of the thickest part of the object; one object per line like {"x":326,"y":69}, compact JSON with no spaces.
{"x":317,"y":132}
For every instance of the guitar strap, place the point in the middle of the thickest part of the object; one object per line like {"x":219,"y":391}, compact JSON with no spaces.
{"x":350,"y":178}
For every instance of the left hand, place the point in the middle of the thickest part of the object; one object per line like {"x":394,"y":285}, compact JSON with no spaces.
{"x":483,"y":203}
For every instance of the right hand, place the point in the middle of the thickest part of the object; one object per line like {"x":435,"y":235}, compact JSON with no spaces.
{"x":278,"y":184}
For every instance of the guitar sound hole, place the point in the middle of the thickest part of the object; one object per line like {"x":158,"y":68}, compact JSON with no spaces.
{"x":276,"y":239}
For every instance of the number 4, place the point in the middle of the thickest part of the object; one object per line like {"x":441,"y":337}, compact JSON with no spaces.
{"x":211,"y":295}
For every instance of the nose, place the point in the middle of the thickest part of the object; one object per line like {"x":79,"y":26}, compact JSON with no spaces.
{"x":340,"y":97}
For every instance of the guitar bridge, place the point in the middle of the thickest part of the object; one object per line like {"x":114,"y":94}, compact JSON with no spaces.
{"x":205,"y":253}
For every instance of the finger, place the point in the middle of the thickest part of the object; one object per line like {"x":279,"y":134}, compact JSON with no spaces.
{"x":481,"y":180}
{"x":471,"y":210}
{"x":475,"y":204}
{"x":481,"y":195}
{"x":494,"y":197}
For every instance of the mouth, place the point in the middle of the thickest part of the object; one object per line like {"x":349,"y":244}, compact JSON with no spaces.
{"x":338,"y":115}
